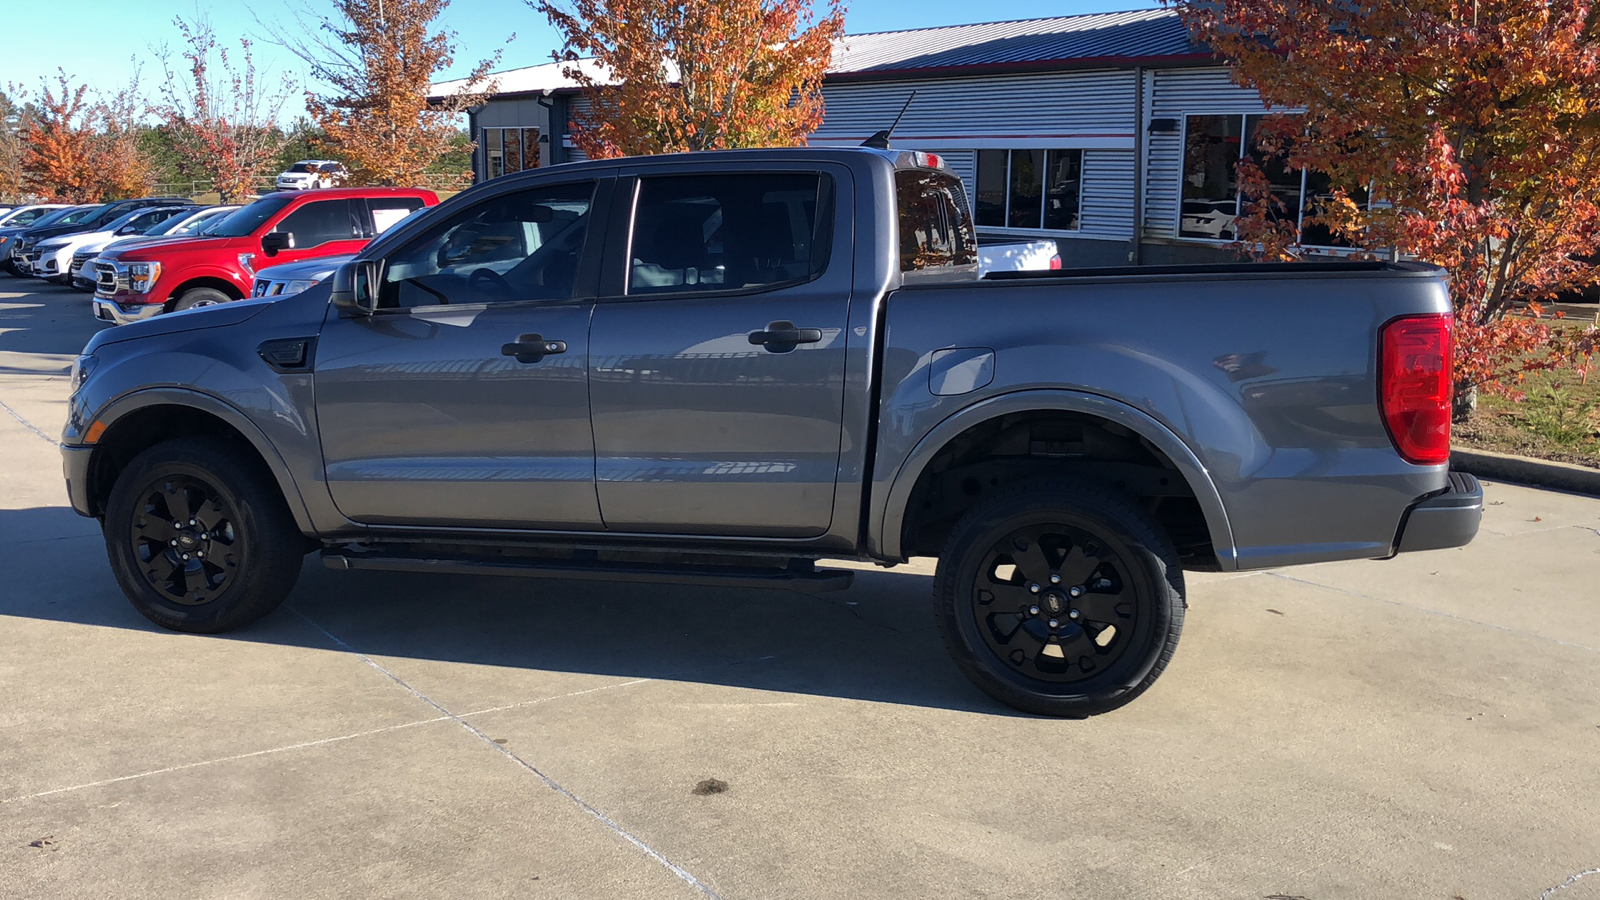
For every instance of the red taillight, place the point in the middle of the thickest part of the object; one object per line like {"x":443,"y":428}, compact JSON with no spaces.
{"x":1414,"y":386}
{"x":1055,"y":262}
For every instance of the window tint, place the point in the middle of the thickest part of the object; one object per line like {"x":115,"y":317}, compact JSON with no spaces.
{"x":935,"y":230}
{"x":520,"y":246}
{"x":730,"y":232}
{"x":387,"y":211}
{"x":27,"y":217}
{"x":321,"y":222}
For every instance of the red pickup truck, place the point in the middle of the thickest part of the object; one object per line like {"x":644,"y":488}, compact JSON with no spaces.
{"x":220,"y":264}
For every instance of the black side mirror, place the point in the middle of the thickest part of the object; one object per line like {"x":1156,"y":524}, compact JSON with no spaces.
{"x":355,"y":288}
{"x":275,"y":242}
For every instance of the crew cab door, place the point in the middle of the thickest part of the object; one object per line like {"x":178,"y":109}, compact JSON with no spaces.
{"x":324,"y":227}
{"x":463,"y":400}
{"x":717,"y":357}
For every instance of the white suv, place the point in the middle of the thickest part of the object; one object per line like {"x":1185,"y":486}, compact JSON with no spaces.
{"x":312,"y":173}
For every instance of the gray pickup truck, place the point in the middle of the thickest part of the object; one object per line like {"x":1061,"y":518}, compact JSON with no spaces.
{"x":721,"y":368}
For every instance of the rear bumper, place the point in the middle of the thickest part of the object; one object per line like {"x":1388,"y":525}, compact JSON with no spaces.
{"x":1445,"y":520}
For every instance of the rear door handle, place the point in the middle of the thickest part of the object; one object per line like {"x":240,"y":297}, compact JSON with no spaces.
{"x":783,"y":336}
{"x":530,"y":348}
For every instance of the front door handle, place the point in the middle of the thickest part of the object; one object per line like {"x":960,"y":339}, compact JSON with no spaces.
{"x":781,"y":337}
{"x":530,"y":348}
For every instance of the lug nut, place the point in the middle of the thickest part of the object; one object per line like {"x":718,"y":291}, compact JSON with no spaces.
{"x":1033,"y":589}
{"x":1054,"y":623}
{"x":200,"y":554}
{"x":1074,"y":614}
{"x":186,"y":556}
{"x":191,"y":521}
{"x":1055,"y":579}
{"x":173,"y":542}
{"x":1033,"y":610}
{"x":1076,"y":592}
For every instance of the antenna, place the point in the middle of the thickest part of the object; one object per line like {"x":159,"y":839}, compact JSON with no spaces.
{"x":880,"y":141}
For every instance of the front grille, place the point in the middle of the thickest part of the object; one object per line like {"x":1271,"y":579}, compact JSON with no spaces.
{"x":79,"y":260}
{"x":105,"y":279}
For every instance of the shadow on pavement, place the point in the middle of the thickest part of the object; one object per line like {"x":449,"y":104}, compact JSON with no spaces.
{"x":875,"y":642}
{"x":45,"y":320}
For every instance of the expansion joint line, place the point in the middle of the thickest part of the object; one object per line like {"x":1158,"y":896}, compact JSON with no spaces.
{"x":549,"y":782}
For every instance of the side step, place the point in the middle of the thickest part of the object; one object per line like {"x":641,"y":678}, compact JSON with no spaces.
{"x":800,"y":575}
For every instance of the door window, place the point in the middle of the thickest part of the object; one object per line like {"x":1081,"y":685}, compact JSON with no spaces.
{"x":387,"y":211}
{"x":730,"y":232}
{"x":519,"y":246}
{"x":322,"y":222}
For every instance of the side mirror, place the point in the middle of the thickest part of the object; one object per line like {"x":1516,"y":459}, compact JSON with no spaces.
{"x":275,"y":242}
{"x":127,"y":229}
{"x":355,"y":288}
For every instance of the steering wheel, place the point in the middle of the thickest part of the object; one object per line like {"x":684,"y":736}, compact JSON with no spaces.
{"x":494,"y":278}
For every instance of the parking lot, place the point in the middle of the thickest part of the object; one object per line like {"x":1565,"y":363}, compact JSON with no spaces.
{"x":1426,"y":727}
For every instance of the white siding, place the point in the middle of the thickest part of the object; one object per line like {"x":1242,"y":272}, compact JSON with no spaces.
{"x":1107,"y":198}
{"x":1064,"y":109}
{"x":1174,"y":94}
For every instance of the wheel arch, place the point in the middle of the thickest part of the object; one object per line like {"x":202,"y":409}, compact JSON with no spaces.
{"x":215,"y":282}
{"x":891,"y":515}
{"x":140,"y":420}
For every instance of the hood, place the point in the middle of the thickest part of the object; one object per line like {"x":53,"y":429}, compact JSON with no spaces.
{"x":156,"y":245}
{"x":85,"y":237}
{"x":50,"y":231}
{"x":128,"y":243}
{"x":218,"y":316}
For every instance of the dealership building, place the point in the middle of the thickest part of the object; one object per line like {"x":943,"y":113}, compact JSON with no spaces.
{"x":1113,"y":134}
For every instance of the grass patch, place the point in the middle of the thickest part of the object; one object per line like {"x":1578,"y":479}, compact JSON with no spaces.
{"x":1559,"y":419}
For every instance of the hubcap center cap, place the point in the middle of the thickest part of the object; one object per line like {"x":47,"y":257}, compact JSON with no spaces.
{"x":188,"y":540}
{"x":1054,"y":602}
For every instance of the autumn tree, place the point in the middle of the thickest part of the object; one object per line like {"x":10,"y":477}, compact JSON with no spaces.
{"x":670,"y":76}
{"x":58,"y":144}
{"x":380,"y":58}
{"x":121,"y":157}
{"x":13,"y":122}
{"x":1465,"y":133}
{"x":221,"y":112}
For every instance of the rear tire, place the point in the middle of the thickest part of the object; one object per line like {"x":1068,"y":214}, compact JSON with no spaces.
{"x":1060,"y":597}
{"x":235,"y":563}
{"x":194,"y":298}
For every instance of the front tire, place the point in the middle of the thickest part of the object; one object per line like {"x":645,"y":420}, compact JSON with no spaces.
{"x":200,"y":538}
{"x":194,"y":298}
{"x":1060,"y":597}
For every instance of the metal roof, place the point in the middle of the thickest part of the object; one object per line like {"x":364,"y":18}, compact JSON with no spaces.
{"x":1095,"y":40}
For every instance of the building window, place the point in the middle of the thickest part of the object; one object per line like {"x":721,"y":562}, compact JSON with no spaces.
{"x":1029,"y":189}
{"x":1212,"y":149}
{"x":507,"y":151}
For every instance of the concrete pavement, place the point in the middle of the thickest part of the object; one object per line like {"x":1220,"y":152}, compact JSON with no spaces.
{"x":1426,"y":727}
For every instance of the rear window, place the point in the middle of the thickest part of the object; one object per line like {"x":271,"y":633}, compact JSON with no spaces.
{"x":935,"y":227}
{"x":730,"y":231}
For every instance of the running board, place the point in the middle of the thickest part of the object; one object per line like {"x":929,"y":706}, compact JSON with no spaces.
{"x":801,"y":575}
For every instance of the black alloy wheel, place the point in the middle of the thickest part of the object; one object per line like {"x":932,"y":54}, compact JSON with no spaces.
{"x":1050,"y":600}
{"x":187,"y":539}
{"x":1060,"y":597}
{"x":199,"y":536}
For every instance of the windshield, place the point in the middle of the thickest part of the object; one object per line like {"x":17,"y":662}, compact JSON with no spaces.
{"x":103,"y":214}
{"x":246,"y":220}
{"x":185,"y":226}
{"x":127,"y":219}
{"x":302,"y":167}
{"x":68,"y":216}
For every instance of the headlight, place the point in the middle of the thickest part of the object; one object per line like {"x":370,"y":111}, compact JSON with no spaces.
{"x":295,"y":287}
{"x":142,"y":276}
{"x":81,"y":367}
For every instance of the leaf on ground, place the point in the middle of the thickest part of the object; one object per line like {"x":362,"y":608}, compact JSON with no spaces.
{"x":710,"y":786}
{"x":1274,"y":612}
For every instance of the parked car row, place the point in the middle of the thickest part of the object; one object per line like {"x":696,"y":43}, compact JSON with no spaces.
{"x":152,"y":255}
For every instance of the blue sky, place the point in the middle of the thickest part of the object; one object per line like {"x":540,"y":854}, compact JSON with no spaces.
{"x":42,"y":34}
